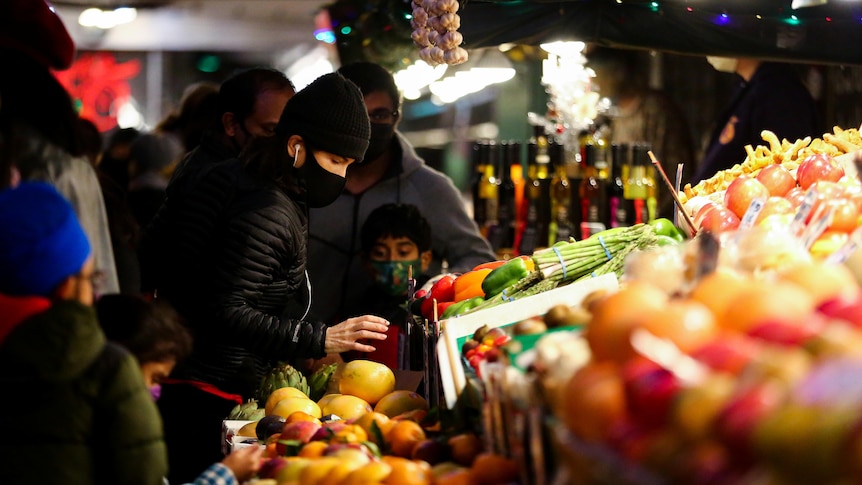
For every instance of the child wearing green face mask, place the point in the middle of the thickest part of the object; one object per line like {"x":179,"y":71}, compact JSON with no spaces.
{"x":394,"y":238}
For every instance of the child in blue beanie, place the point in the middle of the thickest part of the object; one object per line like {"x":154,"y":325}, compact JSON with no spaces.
{"x":87,"y":418}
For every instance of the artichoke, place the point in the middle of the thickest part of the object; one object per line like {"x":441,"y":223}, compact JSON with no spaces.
{"x":245,"y":411}
{"x":319,"y":381}
{"x":282,"y":375}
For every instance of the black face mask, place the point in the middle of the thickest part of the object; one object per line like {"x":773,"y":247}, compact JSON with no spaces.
{"x":322,"y":186}
{"x":381,"y":138}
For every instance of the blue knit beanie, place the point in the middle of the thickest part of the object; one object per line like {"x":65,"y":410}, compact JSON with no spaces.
{"x":41,"y":241}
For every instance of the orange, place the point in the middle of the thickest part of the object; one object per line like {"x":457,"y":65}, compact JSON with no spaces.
{"x":351,"y":433}
{"x":367,"y":380}
{"x":465,"y":447}
{"x":400,"y":402}
{"x":286,"y":407}
{"x":404,"y":436}
{"x":779,"y":301}
{"x":346,"y":407}
{"x":313,"y":449}
{"x":374,"y":472}
{"x":301,"y":416}
{"x":717,"y":289}
{"x":687,"y":323}
{"x":407,"y":472}
{"x":456,"y":477}
{"x":491,"y":469}
{"x":595,"y":400}
{"x":614,"y":317}
{"x":279,"y":394}
{"x":367,"y":420}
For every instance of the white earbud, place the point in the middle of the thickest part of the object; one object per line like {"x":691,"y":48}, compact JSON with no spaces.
{"x":296,"y":149}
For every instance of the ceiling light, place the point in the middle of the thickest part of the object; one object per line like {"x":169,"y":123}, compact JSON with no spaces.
{"x":107,"y":19}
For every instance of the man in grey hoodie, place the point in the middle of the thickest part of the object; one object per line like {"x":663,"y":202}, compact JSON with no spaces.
{"x":391,"y":173}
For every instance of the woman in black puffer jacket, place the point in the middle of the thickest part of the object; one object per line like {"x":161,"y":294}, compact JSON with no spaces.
{"x":230,"y":256}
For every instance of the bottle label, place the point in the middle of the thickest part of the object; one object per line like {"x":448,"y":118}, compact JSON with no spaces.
{"x":590,"y":228}
{"x":591,"y":210}
{"x":619,"y":215}
{"x":641,"y":211}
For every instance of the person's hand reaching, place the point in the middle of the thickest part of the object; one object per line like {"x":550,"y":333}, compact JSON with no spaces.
{"x":244,"y":462}
{"x":347,"y":334}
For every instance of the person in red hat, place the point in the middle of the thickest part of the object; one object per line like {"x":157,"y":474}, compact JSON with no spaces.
{"x":37,"y":114}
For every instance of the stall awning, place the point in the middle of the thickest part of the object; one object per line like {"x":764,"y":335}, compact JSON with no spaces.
{"x":829,"y":32}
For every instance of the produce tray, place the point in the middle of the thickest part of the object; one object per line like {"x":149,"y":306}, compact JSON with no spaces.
{"x":453,"y":329}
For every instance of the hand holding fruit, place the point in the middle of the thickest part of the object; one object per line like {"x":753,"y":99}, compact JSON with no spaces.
{"x":347,"y":334}
{"x":244,"y":462}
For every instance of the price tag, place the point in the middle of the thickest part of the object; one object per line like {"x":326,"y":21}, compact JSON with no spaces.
{"x":754,"y":209}
{"x":798,"y":223}
{"x":817,"y":227}
{"x":847,"y":249}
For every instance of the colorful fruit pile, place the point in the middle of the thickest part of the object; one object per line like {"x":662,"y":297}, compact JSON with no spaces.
{"x":784,"y":184}
{"x":740,"y":378}
{"x":367,"y":433}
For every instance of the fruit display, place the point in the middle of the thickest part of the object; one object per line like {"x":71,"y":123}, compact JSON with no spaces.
{"x":738,"y":380}
{"x":342,"y":440}
{"x":808,"y":189}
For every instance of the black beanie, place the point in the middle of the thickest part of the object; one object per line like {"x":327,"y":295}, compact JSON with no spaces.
{"x":330,"y":115}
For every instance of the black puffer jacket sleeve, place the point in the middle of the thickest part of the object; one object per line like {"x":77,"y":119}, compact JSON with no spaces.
{"x":260,"y":257}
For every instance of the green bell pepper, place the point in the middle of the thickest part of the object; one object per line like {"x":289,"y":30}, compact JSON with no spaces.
{"x":665,"y":227}
{"x":503,"y":277}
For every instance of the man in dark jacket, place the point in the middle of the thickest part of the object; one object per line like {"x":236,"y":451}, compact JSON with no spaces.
{"x":250,"y":103}
{"x":391,"y":173}
{"x":769,"y":96}
{"x":230,"y":256}
{"x":76,"y":405}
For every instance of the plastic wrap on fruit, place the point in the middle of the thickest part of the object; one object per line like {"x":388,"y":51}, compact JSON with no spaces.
{"x":759,"y":249}
{"x":662,"y":266}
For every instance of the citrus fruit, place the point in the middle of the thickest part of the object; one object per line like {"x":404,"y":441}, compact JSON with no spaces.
{"x":302,"y":416}
{"x":780,"y":301}
{"x":400,"y":402}
{"x":407,"y":472}
{"x":279,"y":394}
{"x":346,"y":407}
{"x":491,"y":469}
{"x":368,"y":420}
{"x":286,"y":407}
{"x":465,"y":447}
{"x":609,"y":332}
{"x":404,"y":436}
{"x":366,"y":380}
{"x":717,"y":289}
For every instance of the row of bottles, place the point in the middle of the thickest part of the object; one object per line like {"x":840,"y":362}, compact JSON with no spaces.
{"x":560,"y":197}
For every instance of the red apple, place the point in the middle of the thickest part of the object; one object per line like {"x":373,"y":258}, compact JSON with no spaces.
{"x":795,"y":195}
{"x":845,"y":215}
{"x":650,"y":391}
{"x":728,"y":353}
{"x":785,"y":333}
{"x":775,"y":206}
{"x":777,"y":179}
{"x":719,"y":220}
{"x":817,"y":167}
{"x":703,"y":211}
{"x":741,"y":192}
{"x":843,"y":308}
{"x":737,"y":421}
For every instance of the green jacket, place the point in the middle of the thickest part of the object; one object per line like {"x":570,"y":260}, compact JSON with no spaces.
{"x":75,"y":409}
